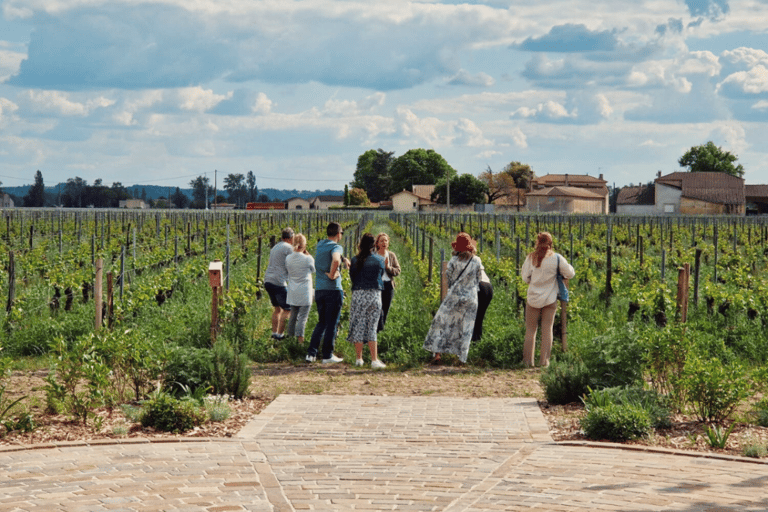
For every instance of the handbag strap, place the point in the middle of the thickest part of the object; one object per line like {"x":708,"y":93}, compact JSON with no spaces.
{"x":462,"y":271}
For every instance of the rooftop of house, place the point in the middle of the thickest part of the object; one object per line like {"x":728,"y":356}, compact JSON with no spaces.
{"x":639,"y":195}
{"x":712,"y":187}
{"x":563,"y":191}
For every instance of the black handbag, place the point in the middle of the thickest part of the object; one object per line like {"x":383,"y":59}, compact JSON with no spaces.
{"x":562,"y":290}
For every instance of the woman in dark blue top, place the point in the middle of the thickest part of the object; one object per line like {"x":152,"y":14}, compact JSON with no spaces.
{"x":365,"y":271}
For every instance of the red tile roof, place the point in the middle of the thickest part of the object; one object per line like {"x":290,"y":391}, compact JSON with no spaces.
{"x":712,"y":187}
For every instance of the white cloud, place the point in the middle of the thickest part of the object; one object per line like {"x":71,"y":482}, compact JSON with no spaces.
{"x":743,"y":83}
{"x":547,"y":111}
{"x":59,"y":103}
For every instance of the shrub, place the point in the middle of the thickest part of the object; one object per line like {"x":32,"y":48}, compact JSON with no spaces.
{"x":231,"y":374}
{"x":565,"y":380}
{"x":166,"y":413}
{"x":754,"y":448}
{"x":217,"y":407}
{"x":187,"y":369}
{"x":650,"y":401}
{"x":616,"y":422}
{"x":714,"y":389}
{"x":614,"y":358}
{"x":760,"y":412}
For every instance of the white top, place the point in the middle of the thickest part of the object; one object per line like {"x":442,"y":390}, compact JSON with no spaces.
{"x":300,"y":268}
{"x":385,"y":277}
{"x":542,"y":281}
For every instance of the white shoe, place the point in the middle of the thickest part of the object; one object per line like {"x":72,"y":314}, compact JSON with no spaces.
{"x":333,"y":359}
{"x":377,"y":364}
{"x":310,"y":359}
{"x":359,"y":362}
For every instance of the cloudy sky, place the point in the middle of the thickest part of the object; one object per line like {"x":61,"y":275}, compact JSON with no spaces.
{"x":162,"y":91}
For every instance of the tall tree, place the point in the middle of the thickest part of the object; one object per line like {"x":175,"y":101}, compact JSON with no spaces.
{"x":419,"y":167}
{"x":522,"y":174}
{"x":253,"y":190}
{"x":465,"y":189}
{"x":373,"y":174}
{"x":179,"y":199}
{"x":358,"y":197}
{"x":201,"y":191}
{"x":234,"y":184}
{"x":36,"y":195}
{"x":143,"y":194}
{"x":74,"y":191}
{"x":346,"y":195}
{"x":499,"y":185}
{"x":711,"y":158}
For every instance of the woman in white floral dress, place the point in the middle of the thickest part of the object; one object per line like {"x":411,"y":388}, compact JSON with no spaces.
{"x":451,"y":329}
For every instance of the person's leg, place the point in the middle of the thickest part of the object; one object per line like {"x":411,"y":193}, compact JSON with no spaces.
{"x":531,"y":326}
{"x":359,"y":349}
{"x":386,"y":301}
{"x":332,"y":316}
{"x":484,"y":296}
{"x":301,"y":321}
{"x":284,"y":314}
{"x":547,"y":321}
{"x":321,"y":299}
{"x":290,"y":329}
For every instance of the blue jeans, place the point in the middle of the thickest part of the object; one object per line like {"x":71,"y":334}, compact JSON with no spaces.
{"x":329,"y":304}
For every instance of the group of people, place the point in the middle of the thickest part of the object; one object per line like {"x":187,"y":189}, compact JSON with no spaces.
{"x":458,"y":321}
{"x":288,"y":281}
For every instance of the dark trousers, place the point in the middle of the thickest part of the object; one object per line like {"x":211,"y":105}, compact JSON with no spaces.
{"x":386,"y":301}
{"x":329,"y":304}
{"x":484,"y":296}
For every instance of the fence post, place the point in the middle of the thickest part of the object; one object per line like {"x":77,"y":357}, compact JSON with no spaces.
{"x":683,"y":275}
{"x":97,"y":298}
{"x":429,"y":273}
{"x":11,"y":282}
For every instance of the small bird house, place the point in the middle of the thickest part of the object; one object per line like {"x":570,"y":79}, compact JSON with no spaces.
{"x":216,"y":274}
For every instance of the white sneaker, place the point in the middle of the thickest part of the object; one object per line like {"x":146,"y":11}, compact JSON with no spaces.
{"x":377,"y":364}
{"x":359,"y":362}
{"x":333,"y":359}
{"x":310,"y":359}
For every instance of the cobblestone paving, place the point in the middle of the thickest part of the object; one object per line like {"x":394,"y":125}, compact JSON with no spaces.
{"x":336,"y":453}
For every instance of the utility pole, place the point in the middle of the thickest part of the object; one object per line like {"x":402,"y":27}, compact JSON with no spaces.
{"x":214,"y":188}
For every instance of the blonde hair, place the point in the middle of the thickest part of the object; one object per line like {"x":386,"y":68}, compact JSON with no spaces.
{"x":543,"y":247}
{"x":379,"y":237}
{"x":299,"y":242}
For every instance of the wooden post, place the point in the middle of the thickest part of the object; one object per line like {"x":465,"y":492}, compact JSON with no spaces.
{"x":683,"y":275}
{"x":97,"y":298}
{"x":696,"y":270}
{"x":443,"y":280}
{"x":564,"y":325}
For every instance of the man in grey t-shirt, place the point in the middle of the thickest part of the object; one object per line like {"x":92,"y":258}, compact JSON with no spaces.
{"x":276,"y":283}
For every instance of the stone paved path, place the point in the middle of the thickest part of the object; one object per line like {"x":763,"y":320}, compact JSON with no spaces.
{"x":336,"y":453}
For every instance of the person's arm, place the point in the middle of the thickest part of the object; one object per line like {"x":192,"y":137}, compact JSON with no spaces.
{"x":334,"y":272}
{"x":527,"y":270}
{"x":394,"y":266}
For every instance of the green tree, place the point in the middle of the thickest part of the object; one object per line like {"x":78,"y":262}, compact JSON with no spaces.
{"x":201,"y":191}
{"x":522,"y":174}
{"x":373,"y":174}
{"x":74,"y":190}
{"x":465,"y":189}
{"x":346,"y":195}
{"x":419,"y":167}
{"x":179,"y":199}
{"x":235,"y":186}
{"x":35,"y":197}
{"x":358,"y":197}
{"x":710,"y":158}
{"x":253,"y":190}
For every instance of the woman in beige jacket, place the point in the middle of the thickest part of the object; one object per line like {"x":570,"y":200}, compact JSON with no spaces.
{"x":391,"y":270}
{"x":540,"y":273}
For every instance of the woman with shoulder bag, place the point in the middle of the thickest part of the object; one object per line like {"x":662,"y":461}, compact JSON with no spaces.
{"x":454,"y":322}
{"x":391,"y":270}
{"x":540,"y":271}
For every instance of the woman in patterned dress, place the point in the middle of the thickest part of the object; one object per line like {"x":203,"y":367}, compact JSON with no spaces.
{"x":452,"y":327}
{"x":365,"y":271}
